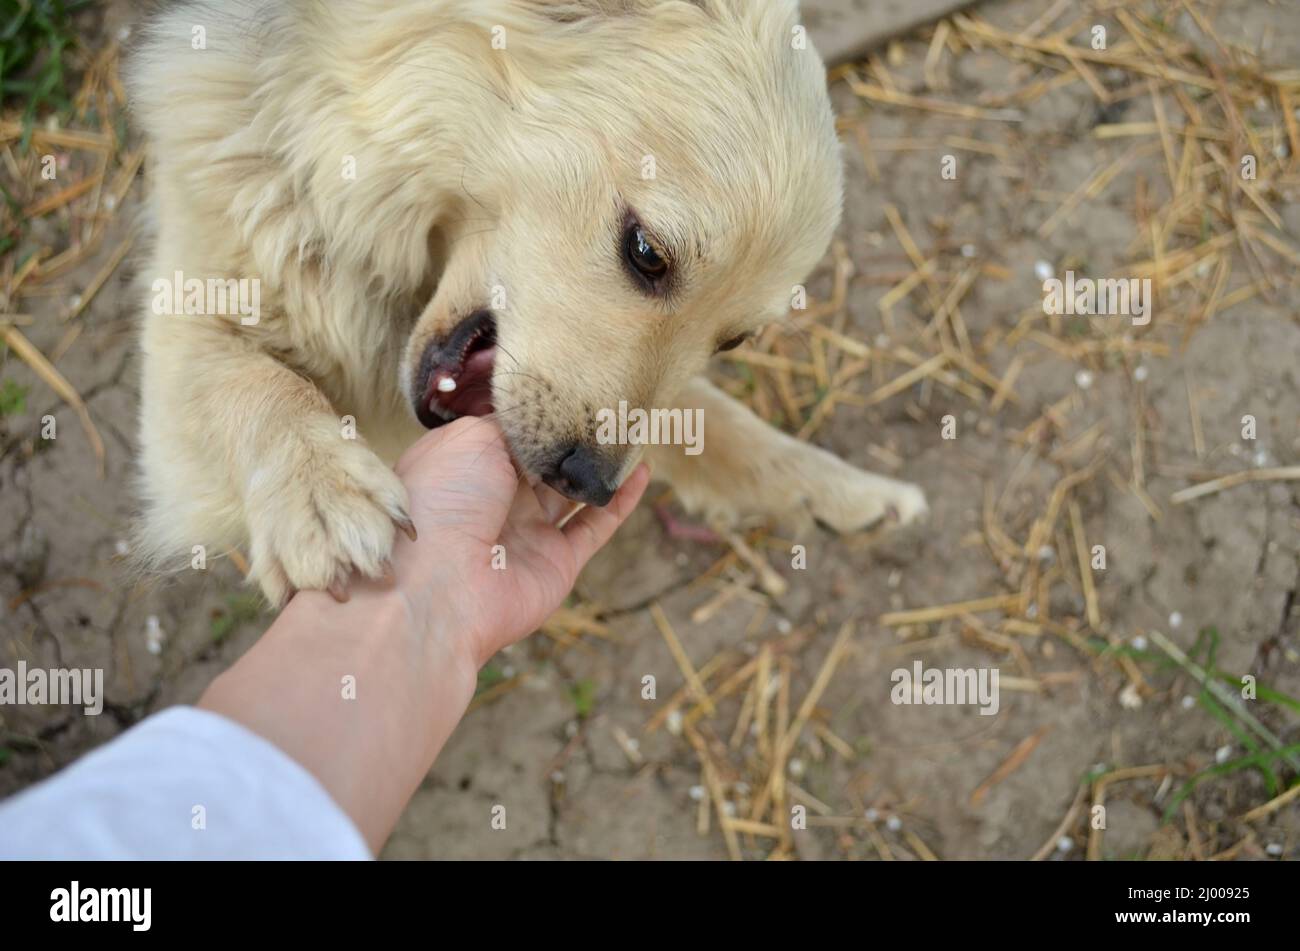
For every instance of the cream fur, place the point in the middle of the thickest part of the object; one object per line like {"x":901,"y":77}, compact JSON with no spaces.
{"x":480,"y":172}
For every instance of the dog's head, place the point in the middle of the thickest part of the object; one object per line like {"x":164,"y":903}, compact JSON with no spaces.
{"x":658,"y":177}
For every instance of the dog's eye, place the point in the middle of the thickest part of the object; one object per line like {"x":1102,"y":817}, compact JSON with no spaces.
{"x":646,"y":262}
{"x":733,"y":343}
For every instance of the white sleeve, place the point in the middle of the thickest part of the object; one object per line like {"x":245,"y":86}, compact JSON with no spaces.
{"x":182,"y":784}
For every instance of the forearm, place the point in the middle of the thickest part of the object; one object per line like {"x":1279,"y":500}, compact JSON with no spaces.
{"x":362,"y":694}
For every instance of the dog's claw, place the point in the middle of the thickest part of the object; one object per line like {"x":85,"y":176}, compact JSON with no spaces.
{"x":408,"y":528}
{"x":338,"y":591}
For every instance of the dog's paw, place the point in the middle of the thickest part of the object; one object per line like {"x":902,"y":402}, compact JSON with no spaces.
{"x":847,"y":500}
{"x":321,"y":510}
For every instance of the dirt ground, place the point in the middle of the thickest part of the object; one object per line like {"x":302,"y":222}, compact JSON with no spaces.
{"x":926,"y":322}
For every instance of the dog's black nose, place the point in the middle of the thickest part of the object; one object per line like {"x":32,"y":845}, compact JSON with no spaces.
{"x":585,"y":475}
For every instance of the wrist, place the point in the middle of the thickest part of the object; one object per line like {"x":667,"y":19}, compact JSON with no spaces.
{"x":362,"y":694}
{"x":419,"y":633}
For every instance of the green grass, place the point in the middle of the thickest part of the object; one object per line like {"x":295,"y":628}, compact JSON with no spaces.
{"x":488,"y":677}
{"x":13,"y":745}
{"x":1258,"y":755}
{"x":583,"y":695}
{"x":35,"y":42}
{"x":9,"y":240}
{"x":13,"y":398}
{"x":240,"y":609}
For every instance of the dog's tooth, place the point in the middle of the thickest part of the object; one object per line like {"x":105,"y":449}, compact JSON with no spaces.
{"x":447,"y":384}
{"x":441,"y":411}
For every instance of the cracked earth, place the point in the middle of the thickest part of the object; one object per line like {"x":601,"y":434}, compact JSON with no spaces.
{"x":561,"y":736}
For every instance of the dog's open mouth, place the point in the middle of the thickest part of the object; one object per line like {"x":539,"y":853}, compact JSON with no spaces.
{"x":455,"y":377}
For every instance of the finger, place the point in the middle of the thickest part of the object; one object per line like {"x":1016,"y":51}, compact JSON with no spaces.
{"x":589,"y":530}
{"x":537,"y":500}
{"x":527,"y":508}
{"x":466,"y":440}
{"x":556,"y":506}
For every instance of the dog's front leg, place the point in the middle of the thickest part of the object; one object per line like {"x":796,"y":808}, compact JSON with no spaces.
{"x":233,"y":437}
{"x":747,"y":467}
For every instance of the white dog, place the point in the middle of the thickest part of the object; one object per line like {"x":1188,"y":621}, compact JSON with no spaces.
{"x":538,"y":208}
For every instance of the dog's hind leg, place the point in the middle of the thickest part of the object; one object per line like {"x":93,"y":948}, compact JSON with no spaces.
{"x":746,"y":467}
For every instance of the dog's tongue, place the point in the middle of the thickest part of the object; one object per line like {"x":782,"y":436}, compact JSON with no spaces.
{"x":473,"y":393}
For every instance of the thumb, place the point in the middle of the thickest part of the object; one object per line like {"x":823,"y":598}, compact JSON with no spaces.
{"x":589,"y":530}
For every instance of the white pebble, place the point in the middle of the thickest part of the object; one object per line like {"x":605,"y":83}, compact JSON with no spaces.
{"x":1129,"y":698}
{"x":784,"y":626}
{"x":1139,"y":643}
{"x":729,"y":808}
{"x":1189,"y":702}
{"x":796,"y":767}
{"x":893,"y":823}
{"x":674,"y":723}
{"x":122,"y":548}
{"x":1223,"y":754}
{"x":1140,"y":373}
{"x":968,"y":251}
{"x":153,"y":635}
{"x":1176,"y":619}
{"x":1044,"y":271}
{"x":697,"y":793}
{"x":1273,"y":848}
{"x":1064,"y":844}
{"x":872,"y":815}
{"x":1083,"y":379}
{"x":1261,"y":458}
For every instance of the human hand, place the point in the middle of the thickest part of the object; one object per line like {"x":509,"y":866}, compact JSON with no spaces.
{"x":467,"y":499}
